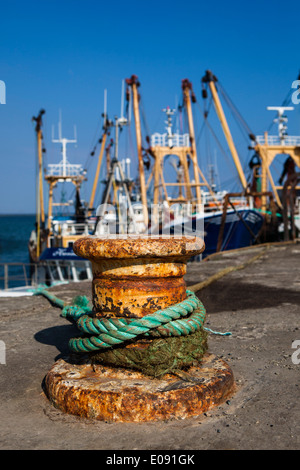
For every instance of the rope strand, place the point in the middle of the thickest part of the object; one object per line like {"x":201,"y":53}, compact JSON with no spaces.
{"x":181,"y":319}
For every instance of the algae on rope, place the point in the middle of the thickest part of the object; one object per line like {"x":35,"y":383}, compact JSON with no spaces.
{"x":170,"y":351}
{"x":160,"y":356}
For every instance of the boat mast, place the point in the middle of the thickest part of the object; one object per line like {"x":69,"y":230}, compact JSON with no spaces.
{"x":211,"y":79}
{"x":134,"y":84}
{"x":106,"y":127}
{"x":189,"y":96}
{"x":187,"y":89}
{"x":40,"y":195}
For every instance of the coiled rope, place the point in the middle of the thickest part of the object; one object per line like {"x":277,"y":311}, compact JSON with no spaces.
{"x":166,"y":322}
{"x":173,"y":338}
{"x":108,"y":332}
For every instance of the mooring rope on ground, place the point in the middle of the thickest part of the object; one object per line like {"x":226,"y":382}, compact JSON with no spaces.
{"x":215,"y":277}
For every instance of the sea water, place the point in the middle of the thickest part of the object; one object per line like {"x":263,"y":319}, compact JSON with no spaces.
{"x":15,"y":231}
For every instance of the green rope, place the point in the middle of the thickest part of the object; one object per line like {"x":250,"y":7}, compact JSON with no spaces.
{"x":71,"y":312}
{"x":227,"y":333}
{"x":41,"y":290}
{"x":178,"y":337}
{"x":156,"y":357}
{"x":109,"y":332}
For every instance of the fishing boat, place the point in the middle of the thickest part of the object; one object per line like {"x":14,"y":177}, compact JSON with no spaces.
{"x":196,"y":207}
{"x":156,"y":202}
{"x":50,"y":244}
{"x":224,"y":219}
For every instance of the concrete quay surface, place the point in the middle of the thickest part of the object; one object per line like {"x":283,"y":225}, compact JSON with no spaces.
{"x":258,"y":303}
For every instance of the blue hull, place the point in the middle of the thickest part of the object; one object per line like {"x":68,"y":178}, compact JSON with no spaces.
{"x":59,"y":254}
{"x":236,"y":234}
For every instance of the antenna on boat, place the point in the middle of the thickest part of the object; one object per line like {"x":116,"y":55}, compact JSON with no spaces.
{"x":75,"y":132}
{"x":59,"y":125}
{"x":64,"y":142}
{"x":281,"y":119}
{"x":169,"y":112}
{"x":122,"y":100}
{"x":106,"y":130}
{"x":105,"y":105}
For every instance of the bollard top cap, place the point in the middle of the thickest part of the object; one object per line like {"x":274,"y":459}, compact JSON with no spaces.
{"x":137,"y":246}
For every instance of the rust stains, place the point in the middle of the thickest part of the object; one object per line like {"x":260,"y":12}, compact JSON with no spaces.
{"x":139,"y":246}
{"x":109,"y":394}
{"x":132,"y":277}
{"x":136,"y":297}
{"x":135,"y":275}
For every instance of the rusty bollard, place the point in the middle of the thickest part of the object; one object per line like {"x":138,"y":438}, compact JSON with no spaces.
{"x":134,"y":277}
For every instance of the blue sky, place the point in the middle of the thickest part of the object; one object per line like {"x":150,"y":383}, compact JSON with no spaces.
{"x":62,"y":55}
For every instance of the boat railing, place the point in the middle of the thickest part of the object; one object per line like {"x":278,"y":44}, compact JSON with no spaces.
{"x":69,"y":228}
{"x":216,"y":200}
{"x":162,"y":140}
{"x":13,"y":275}
{"x":60,"y":169}
{"x":241,"y":203}
{"x":292,"y":140}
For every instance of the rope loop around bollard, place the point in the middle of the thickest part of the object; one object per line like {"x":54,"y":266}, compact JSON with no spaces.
{"x":103,"y":333}
{"x":181,"y":319}
{"x":106,"y":333}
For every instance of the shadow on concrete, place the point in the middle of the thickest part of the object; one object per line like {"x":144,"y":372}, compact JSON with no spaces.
{"x":58,"y":336}
{"x":223,"y":296}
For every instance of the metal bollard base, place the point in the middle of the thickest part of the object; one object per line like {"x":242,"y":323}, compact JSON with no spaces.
{"x":77,"y":387}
